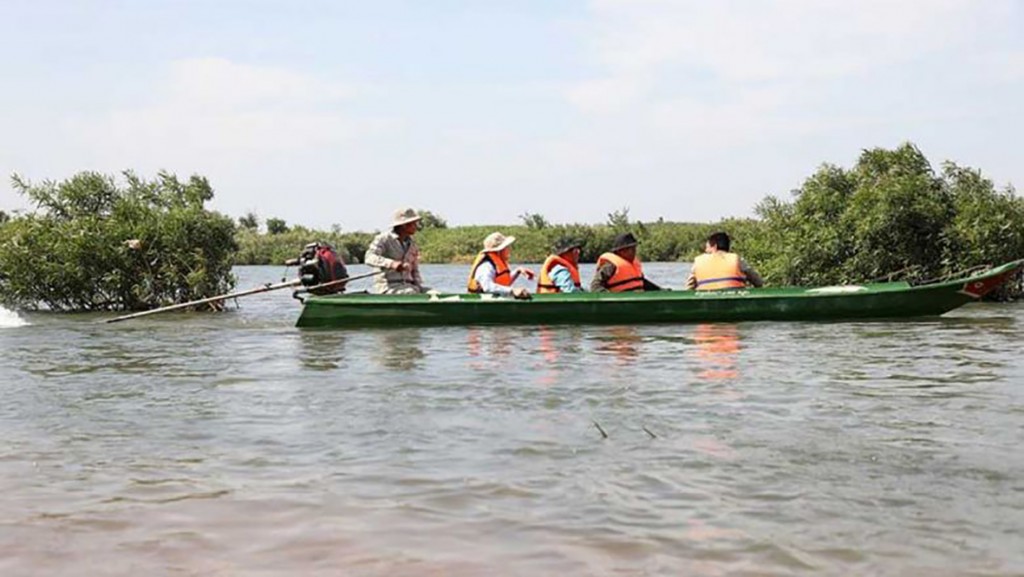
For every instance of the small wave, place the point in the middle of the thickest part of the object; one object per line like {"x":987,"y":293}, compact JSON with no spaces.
{"x":10,"y":319}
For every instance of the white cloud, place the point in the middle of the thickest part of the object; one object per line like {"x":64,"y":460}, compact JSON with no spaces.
{"x":743,"y":42}
{"x":215,"y":106}
{"x":606,"y":95}
{"x":741,"y":98}
{"x":683,"y":109}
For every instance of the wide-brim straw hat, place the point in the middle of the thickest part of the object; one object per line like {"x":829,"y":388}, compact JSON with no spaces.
{"x":496,"y":242}
{"x":404,"y":216}
{"x":624,"y":240}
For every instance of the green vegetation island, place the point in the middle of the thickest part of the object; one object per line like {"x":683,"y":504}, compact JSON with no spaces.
{"x":94,"y":244}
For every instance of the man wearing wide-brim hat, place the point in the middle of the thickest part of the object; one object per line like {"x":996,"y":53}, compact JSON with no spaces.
{"x":560,"y":272}
{"x":395,"y":254}
{"x":491,"y":274}
{"x":619,"y":269}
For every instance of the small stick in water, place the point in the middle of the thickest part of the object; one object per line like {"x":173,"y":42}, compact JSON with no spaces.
{"x":648,"y":431}
{"x":598,"y":425}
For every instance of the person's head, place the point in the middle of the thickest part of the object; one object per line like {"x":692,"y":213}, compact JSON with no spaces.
{"x":718,"y":241}
{"x":625,"y":246}
{"x":569,"y":249}
{"x":405,"y":222}
{"x":499,"y":244}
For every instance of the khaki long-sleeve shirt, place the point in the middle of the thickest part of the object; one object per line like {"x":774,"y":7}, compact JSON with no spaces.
{"x":384,"y":252}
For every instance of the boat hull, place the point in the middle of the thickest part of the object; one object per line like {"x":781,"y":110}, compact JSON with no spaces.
{"x":886,"y":300}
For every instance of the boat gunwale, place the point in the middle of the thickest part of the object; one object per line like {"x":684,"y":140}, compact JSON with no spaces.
{"x":369,"y":299}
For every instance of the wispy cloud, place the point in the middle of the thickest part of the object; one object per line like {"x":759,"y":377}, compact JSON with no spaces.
{"x":680,"y":108}
{"x":215,"y":106}
{"x":756,"y":41}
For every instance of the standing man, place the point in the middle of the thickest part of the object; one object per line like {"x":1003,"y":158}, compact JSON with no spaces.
{"x":560,"y":273}
{"x":619,"y":270}
{"x":395,"y":254}
{"x":719,"y":269}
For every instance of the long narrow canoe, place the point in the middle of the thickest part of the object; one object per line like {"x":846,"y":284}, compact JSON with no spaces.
{"x":883,"y":300}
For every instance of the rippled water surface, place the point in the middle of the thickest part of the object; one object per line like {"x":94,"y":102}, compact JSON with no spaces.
{"x":236,"y":444}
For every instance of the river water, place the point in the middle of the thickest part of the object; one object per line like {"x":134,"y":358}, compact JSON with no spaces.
{"x":236,"y":444}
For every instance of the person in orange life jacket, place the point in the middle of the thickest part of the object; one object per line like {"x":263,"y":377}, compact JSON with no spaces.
{"x":490,"y":273}
{"x":560,"y":272}
{"x":618,"y":270}
{"x":719,"y":269}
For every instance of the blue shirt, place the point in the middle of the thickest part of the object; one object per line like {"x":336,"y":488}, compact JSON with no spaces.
{"x":562,"y":278}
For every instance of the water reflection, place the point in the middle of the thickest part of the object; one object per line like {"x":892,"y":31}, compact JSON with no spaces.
{"x":399,"y":349}
{"x":487,"y":344}
{"x":322,"y":350}
{"x":717,"y":352}
{"x":621,"y":343}
{"x":557,"y":347}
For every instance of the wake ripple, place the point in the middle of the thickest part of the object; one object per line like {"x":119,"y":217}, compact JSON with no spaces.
{"x":10,"y":319}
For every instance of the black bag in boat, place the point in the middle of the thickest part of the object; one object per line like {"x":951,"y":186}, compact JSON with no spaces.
{"x":319,"y":264}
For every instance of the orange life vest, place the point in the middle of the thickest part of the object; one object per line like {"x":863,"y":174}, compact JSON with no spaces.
{"x":717,"y":271}
{"x":629,"y":276}
{"x":544,"y":283}
{"x":502,"y":275}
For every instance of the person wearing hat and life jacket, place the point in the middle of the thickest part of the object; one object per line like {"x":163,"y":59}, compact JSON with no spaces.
{"x":619,"y":270}
{"x":560,"y":273}
{"x":491,"y":274}
{"x":395,"y":254}
{"x":719,"y":269}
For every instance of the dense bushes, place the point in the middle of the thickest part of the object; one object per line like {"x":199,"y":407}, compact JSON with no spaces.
{"x":276,"y":248}
{"x":95,"y":245}
{"x":662,"y":241}
{"x":659,"y":241}
{"x":890,"y":215}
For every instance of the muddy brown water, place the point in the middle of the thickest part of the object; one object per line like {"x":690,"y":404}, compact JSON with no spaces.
{"x":236,"y":444}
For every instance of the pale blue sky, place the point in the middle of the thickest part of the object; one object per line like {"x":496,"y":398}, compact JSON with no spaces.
{"x":340,"y":112}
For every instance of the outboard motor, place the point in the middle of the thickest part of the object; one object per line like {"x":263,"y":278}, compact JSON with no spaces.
{"x":319,"y":264}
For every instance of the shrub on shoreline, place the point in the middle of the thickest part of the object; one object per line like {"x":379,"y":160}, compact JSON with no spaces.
{"x":890,"y":215}
{"x":93,"y":244}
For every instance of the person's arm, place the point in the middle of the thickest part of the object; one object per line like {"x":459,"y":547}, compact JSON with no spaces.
{"x":562,"y":278}
{"x":601,"y":278}
{"x":375,"y":254}
{"x":691,"y":281}
{"x":484,"y":276}
{"x":522,"y":271}
{"x":414,"y":265}
{"x":752,"y":275}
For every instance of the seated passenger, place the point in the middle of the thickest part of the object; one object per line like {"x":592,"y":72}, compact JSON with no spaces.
{"x":560,"y":273}
{"x":490,"y":273}
{"x":719,"y":269}
{"x":619,"y":270}
{"x":394,"y":253}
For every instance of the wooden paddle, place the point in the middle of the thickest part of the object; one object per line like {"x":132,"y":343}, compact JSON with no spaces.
{"x":257,"y":290}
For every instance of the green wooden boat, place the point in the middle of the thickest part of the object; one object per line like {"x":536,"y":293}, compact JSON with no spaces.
{"x":869,"y":301}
